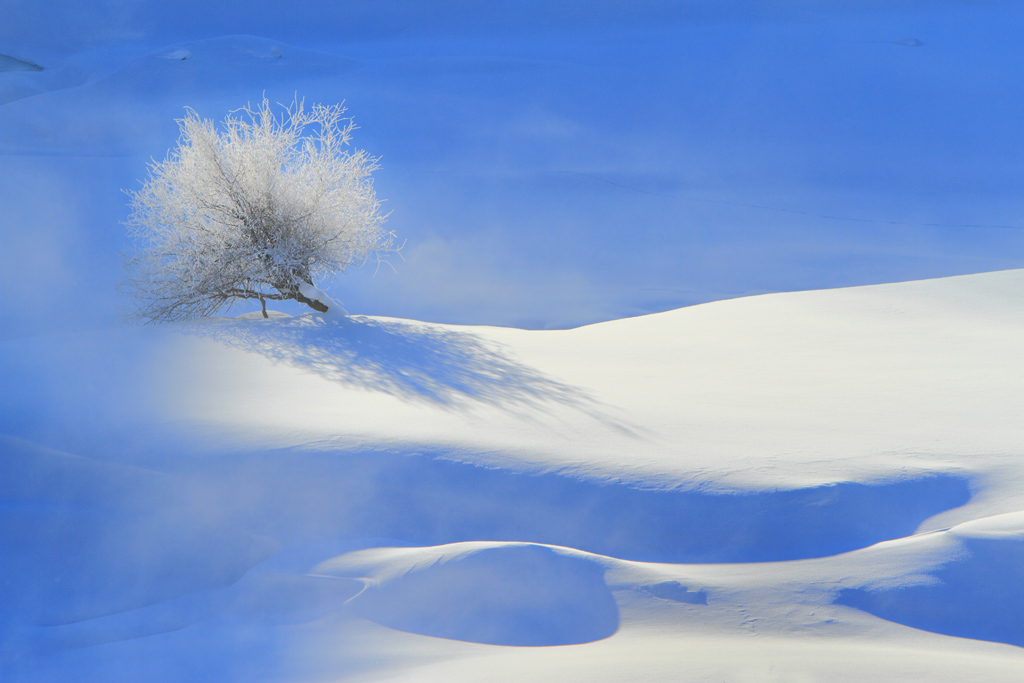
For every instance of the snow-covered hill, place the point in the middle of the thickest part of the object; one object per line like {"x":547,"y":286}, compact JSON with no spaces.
{"x":820,"y":485}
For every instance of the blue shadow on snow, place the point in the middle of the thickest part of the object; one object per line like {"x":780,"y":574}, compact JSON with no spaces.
{"x":978,"y":595}
{"x":414,"y":361}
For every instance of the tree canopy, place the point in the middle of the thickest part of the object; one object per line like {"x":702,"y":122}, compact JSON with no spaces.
{"x":262,"y":208}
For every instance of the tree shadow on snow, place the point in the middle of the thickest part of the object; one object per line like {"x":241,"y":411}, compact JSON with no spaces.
{"x":413,"y":361}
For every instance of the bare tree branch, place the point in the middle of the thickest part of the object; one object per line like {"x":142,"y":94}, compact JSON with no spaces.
{"x":255,"y":210}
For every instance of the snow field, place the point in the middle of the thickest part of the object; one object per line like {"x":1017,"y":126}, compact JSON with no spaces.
{"x":809,"y":486}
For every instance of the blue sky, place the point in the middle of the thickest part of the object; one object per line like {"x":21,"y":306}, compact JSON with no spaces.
{"x":546,"y":164}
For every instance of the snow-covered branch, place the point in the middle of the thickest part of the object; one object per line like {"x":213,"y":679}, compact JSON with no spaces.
{"x":262,"y":208}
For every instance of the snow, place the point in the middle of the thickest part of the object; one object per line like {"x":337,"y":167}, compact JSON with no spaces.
{"x":334,"y":309}
{"x":816,"y":485}
{"x":497,"y":593}
{"x":820,"y":485}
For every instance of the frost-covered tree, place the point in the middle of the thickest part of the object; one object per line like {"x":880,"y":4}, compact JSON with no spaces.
{"x":261,"y":208}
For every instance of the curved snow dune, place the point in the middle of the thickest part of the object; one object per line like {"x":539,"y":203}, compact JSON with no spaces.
{"x":775,"y":391}
{"x":975,"y":592}
{"x":781,"y":390}
{"x":359,"y":615}
{"x":497,"y":593}
{"x":797,"y":428}
{"x":84,"y":538}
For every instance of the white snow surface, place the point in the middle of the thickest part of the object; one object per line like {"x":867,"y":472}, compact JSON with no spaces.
{"x":810,"y":486}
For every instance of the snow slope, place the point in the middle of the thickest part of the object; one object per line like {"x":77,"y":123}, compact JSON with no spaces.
{"x":818,"y":485}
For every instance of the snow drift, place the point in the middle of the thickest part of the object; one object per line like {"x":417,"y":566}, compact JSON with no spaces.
{"x":817,"y":484}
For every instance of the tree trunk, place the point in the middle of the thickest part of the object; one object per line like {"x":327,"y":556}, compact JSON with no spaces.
{"x":312,"y":303}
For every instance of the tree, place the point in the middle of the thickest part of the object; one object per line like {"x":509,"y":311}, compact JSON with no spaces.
{"x":260,"y":209}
